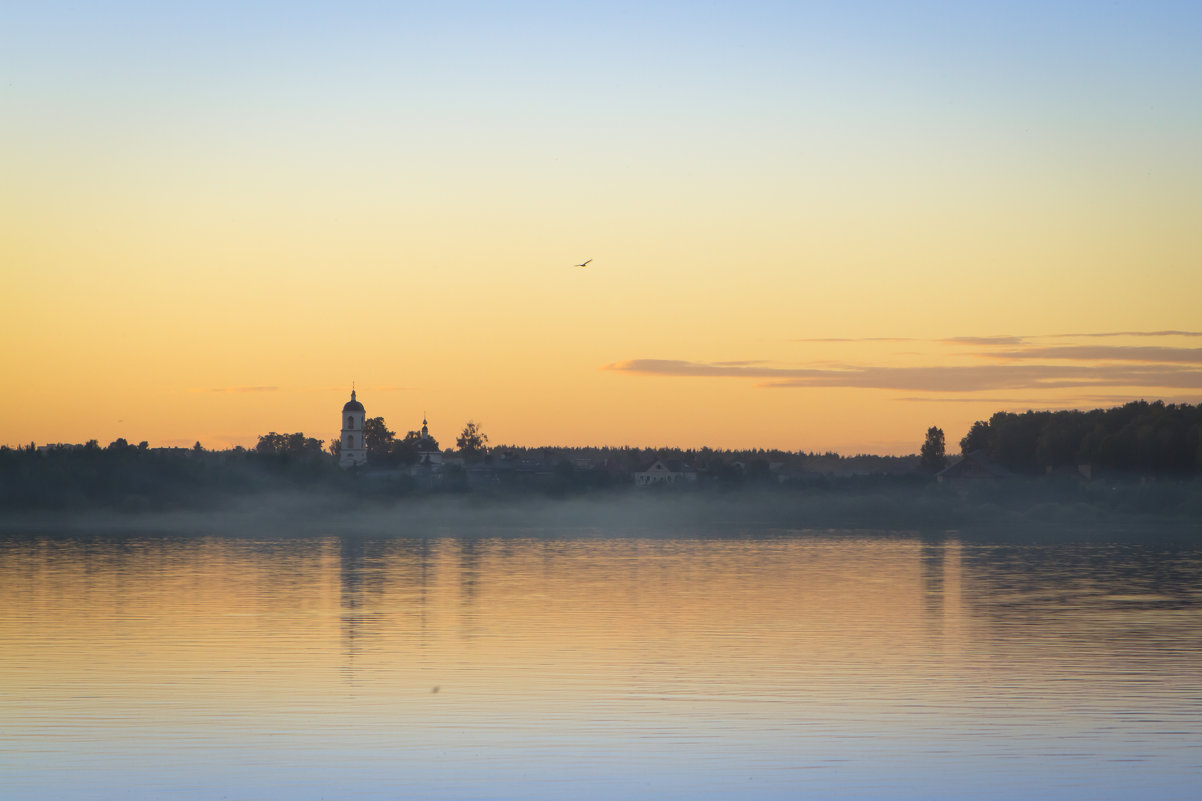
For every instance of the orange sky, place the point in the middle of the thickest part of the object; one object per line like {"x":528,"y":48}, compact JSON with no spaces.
{"x":215,"y":222}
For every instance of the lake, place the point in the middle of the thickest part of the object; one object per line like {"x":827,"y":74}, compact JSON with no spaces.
{"x":762,"y":664}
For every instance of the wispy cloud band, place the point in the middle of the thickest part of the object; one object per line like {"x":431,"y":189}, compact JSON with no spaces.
{"x":954,"y":378}
{"x":1149,"y":355}
{"x":239,"y":389}
{"x":1006,"y":339}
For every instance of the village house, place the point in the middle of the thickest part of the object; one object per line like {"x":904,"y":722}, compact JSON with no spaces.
{"x":670,"y":471}
{"x":975,"y":466}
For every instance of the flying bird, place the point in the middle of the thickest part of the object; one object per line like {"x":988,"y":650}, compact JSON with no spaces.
{"x":585,"y":264}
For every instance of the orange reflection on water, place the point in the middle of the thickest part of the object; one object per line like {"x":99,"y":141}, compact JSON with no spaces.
{"x":241,"y":618}
{"x":451,"y":666}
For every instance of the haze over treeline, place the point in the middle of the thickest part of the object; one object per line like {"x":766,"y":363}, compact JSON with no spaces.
{"x":1145,"y":459}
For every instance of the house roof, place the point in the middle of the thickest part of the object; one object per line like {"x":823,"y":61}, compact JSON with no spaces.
{"x":670,"y":465}
{"x":974,"y":465}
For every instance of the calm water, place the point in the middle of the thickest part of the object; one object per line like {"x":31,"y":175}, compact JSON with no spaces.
{"x":782,"y":665}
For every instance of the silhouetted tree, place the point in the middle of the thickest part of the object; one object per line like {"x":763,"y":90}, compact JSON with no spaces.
{"x":1060,"y":439}
{"x":933,"y":458}
{"x":1148,"y":438}
{"x":377,"y":438}
{"x":288,"y":445}
{"x":1014,"y":440}
{"x":408,"y":449}
{"x":977,"y":438}
{"x":472,"y":442}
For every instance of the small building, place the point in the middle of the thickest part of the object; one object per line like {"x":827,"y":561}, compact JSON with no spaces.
{"x":428,"y":454}
{"x":975,"y":466}
{"x":1080,"y":472}
{"x":661,"y":471}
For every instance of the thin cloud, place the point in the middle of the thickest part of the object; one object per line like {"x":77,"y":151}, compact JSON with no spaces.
{"x":995,"y":377}
{"x":679,"y":368}
{"x":1075,"y":402}
{"x":1128,"y":334}
{"x":972,"y":378}
{"x":1000,"y":377}
{"x":1004,"y":339}
{"x":1000,"y":340}
{"x":239,"y":389}
{"x":859,"y":339}
{"x":979,"y":399}
{"x":1147,"y":355}
{"x":1118,"y":400}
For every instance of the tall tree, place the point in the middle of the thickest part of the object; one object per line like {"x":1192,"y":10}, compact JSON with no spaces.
{"x":977,"y":438}
{"x":472,"y":442}
{"x":933,"y":457}
{"x":377,"y":438}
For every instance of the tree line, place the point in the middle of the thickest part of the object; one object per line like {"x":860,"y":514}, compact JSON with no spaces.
{"x":1140,"y":437}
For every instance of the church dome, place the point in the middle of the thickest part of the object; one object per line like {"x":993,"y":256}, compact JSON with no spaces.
{"x":352,"y":405}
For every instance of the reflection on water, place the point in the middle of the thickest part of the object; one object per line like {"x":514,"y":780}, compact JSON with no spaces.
{"x":775,"y":666}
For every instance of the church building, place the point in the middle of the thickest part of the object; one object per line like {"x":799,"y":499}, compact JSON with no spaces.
{"x":354,"y":449}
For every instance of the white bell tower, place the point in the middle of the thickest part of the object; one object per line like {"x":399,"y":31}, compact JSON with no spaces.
{"x":354,"y":450}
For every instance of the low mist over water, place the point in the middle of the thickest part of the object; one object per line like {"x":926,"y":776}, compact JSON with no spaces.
{"x":546,"y":663}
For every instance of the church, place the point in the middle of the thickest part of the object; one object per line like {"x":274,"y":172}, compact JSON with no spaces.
{"x":354,"y":449}
{"x":353,"y":445}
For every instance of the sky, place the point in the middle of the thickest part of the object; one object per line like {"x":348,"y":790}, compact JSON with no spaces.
{"x":812,"y":226}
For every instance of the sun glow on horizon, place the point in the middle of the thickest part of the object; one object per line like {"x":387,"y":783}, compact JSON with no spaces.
{"x":810,"y":229}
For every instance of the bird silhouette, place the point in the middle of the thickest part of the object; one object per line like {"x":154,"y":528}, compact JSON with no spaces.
{"x":585,"y":264}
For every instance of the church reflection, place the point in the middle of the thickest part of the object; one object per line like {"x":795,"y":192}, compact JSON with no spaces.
{"x":413,"y":594}
{"x":940,"y":561}
{"x":384,"y":588}
{"x":469,"y":578}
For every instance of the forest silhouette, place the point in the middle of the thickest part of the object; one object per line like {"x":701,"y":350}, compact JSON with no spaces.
{"x":1140,"y":459}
